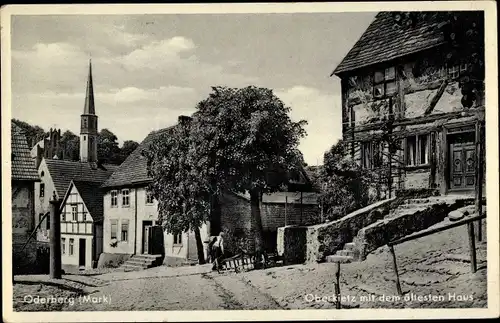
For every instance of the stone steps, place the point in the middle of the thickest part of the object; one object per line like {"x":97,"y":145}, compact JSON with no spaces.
{"x":340,"y":259}
{"x":141,"y":261}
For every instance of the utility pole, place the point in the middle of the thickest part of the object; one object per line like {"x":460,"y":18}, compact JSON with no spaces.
{"x":55,"y":237}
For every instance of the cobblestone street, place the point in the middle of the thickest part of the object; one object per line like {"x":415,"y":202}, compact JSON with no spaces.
{"x":434,"y":272}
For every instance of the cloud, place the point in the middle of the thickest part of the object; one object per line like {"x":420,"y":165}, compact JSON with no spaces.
{"x":323,"y":113}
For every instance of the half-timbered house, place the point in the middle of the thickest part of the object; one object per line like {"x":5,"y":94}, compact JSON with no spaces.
{"x":81,"y":224}
{"x":413,"y":99}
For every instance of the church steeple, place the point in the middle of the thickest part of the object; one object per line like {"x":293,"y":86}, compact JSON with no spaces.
{"x":89,"y":95}
{"x":88,"y":128}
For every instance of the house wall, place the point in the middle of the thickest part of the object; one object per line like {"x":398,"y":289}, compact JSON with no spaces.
{"x":81,"y":227}
{"x":144,"y":212}
{"x":22,"y":224}
{"x":71,"y":260}
{"x":425,"y":87}
{"x":42,"y":204}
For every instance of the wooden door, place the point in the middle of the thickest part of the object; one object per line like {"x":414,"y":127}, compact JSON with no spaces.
{"x":462,"y":163}
{"x":82,"y":253}
{"x":146,"y":236}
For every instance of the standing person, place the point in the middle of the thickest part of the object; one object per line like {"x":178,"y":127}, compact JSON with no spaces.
{"x":211,"y":249}
{"x":218,"y":248}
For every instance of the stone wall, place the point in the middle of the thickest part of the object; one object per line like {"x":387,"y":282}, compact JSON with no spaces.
{"x":324,"y":239}
{"x":292,"y":244}
{"x":404,"y":223}
{"x":22,"y":226}
{"x":236,"y":220}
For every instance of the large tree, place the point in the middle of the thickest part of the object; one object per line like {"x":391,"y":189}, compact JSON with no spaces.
{"x":70,"y":144}
{"x":182,"y":195}
{"x":238,"y":137}
{"x":107,"y":147}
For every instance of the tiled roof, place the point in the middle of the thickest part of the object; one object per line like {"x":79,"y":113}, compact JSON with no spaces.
{"x":383,"y":41}
{"x":134,"y":169}
{"x":93,"y":197}
{"x":64,"y":171}
{"x":23,"y":166}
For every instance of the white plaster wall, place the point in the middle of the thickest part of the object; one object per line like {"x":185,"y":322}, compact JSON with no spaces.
{"x":67,"y":259}
{"x":119,"y":212}
{"x":42,"y":204}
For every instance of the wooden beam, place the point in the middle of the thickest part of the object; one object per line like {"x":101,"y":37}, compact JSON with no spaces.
{"x":436,"y":98}
{"x":414,"y":121}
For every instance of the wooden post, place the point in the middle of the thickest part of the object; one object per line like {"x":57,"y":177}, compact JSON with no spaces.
{"x":337,"y":285}
{"x":395,"y":267}
{"x":286,"y":207}
{"x":55,"y":238}
{"x":479,"y":180}
{"x":301,"y":208}
{"x":472,"y":247}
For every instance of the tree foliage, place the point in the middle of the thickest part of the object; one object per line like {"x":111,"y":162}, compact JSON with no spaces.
{"x":242,"y":135}
{"x":345,"y":184}
{"x":70,"y":144}
{"x":33,"y":133}
{"x":107,"y":143}
{"x":240,"y":138}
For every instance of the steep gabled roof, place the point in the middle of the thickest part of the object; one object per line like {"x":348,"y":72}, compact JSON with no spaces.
{"x":23,"y":166}
{"x":63,"y":172}
{"x":384,"y":40}
{"x":92,"y":197}
{"x":134,"y":169}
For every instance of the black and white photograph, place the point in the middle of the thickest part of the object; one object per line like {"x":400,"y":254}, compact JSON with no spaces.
{"x":269,"y":157}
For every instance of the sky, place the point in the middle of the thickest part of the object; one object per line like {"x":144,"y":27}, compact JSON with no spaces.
{"x":149,"y":69}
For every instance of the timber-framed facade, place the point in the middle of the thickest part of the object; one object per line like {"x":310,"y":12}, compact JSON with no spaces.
{"x":403,"y":88}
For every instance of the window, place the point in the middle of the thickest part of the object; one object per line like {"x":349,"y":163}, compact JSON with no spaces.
{"x":125,"y":197}
{"x":124,"y":230}
{"x":71,"y":246}
{"x":177,"y":238}
{"x":74,"y":212}
{"x":40,"y":217}
{"x":63,"y":245}
{"x":84,"y":217}
{"x":378,"y":149}
{"x":42,"y":189}
{"x":417,"y":150}
{"x":114,"y":229}
{"x":455,"y":71}
{"x":63,"y":216}
{"x":48,"y":223}
{"x":149,"y":197}
{"x":114,"y":198}
{"x":384,"y":82}
{"x":366,"y":154}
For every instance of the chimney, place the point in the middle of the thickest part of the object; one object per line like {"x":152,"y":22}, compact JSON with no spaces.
{"x":39,"y":155}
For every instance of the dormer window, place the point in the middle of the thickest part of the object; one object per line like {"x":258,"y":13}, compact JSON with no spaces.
{"x":384,"y":83}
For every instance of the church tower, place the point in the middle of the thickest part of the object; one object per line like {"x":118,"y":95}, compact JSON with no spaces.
{"x":88,"y":128}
